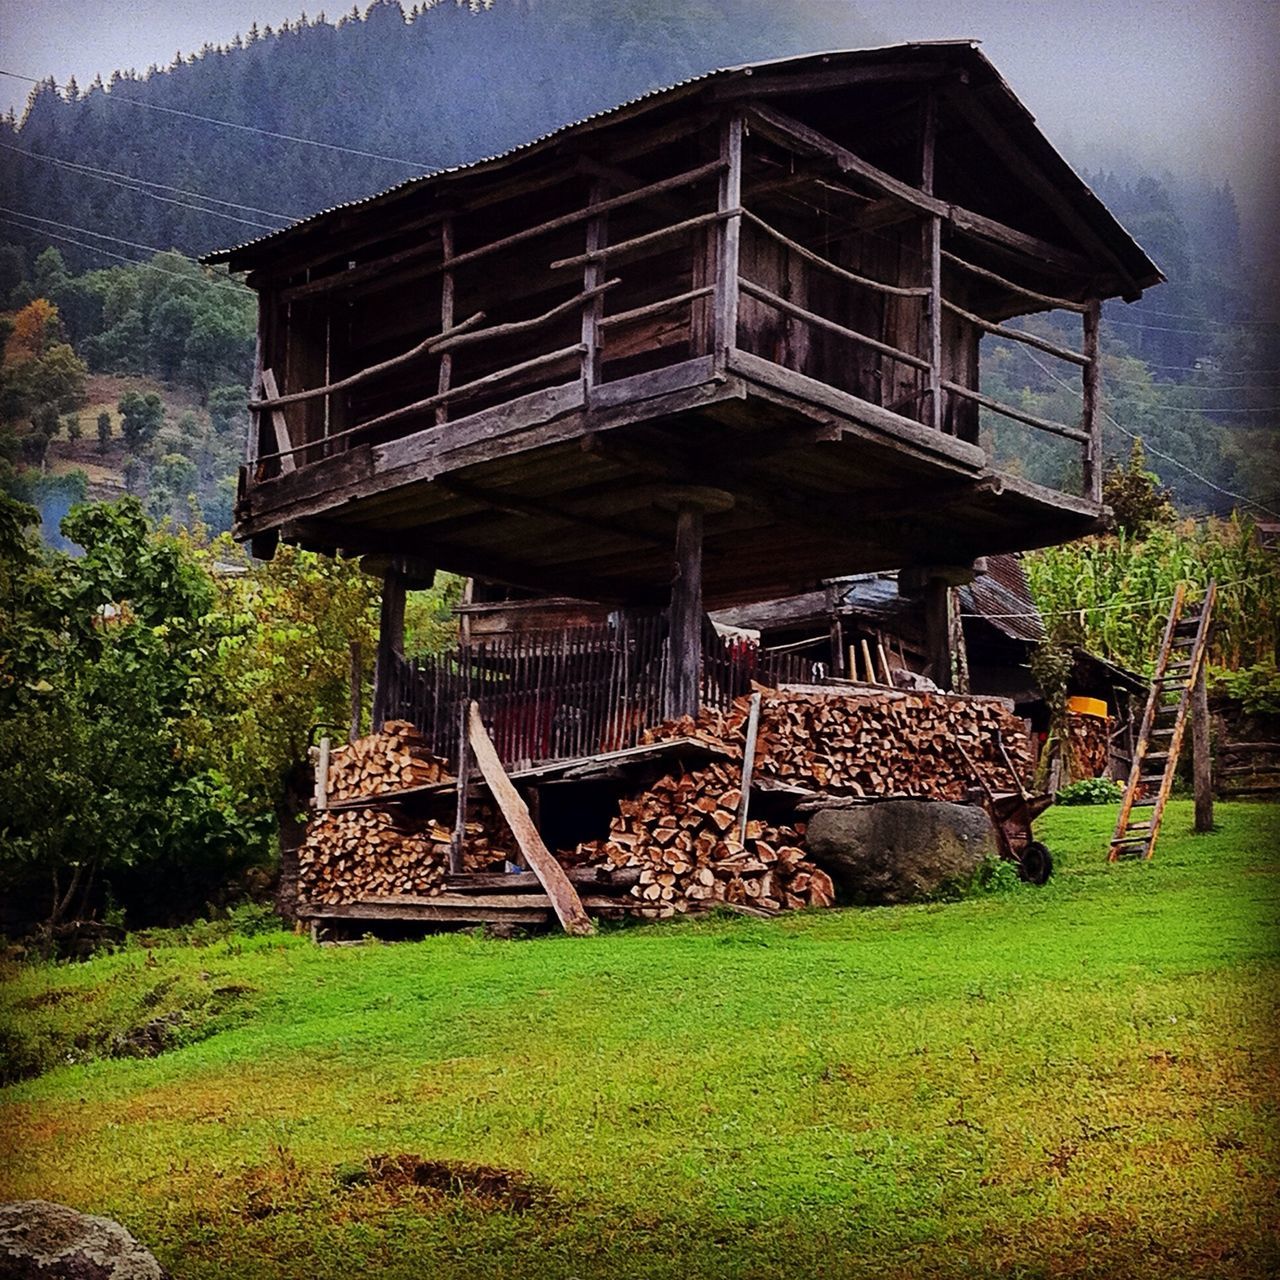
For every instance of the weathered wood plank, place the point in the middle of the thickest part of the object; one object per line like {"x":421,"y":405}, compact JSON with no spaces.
{"x":730,"y":205}
{"x":564,"y":898}
{"x":1091,"y":409}
{"x":279,"y":427}
{"x":1008,"y":411}
{"x":1017,"y":335}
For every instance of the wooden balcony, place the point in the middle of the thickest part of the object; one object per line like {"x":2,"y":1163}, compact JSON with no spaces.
{"x":758,"y":298}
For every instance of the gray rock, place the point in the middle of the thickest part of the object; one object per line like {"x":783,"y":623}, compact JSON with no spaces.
{"x":40,"y":1240}
{"x":899,"y":850}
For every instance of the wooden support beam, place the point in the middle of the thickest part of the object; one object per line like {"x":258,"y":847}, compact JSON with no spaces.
{"x":564,"y":898}
{"x":730,"y":206}
{"x":592,"y":279}
{"x":446,"y":314}
{"x":1202,"y":758}
{"x":1091,"y":417}
{"x":684,"y":656}
{"x":937,"y":627}
{"x":1017,"y":335}
{"x":748,"y":765}
{"x":933,"y":257}
{"x":464,"y":772}
{"x":390,"y":643}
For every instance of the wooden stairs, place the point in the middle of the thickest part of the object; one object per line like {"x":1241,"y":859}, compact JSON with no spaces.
{"x":1164,"y":723}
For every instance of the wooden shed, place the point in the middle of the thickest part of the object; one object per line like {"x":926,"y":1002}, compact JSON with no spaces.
{"x":713,"y":346}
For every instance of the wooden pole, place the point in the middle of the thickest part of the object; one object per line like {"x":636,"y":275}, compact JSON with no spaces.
{"x":1091,"y":420}
{"x":446,"y":314}
{"x":322,"y":776}
{"x":593,"y":308}
{"x":933,"y":245}
{"x":956,"y":645}
{"x":684,"y":660}
{"x":390,"y":643}
{"x":726,"y":299}
{"x":1202,"y":758}
{"x":748,"y":765}
{"x":464,"y":771}
{"x":937,"y":631}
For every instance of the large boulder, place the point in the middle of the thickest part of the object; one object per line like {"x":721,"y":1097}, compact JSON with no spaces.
{"x":900,"y":850}
{"x":44,"y":1241}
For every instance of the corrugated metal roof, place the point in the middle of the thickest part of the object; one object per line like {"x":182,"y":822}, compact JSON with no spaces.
{"x":649,"y":97}
{"x":1002,"y":597}
{"x":1140,"y":265}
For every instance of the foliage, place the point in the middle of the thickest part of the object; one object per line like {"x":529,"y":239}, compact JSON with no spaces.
{"x":281,"y":662}
{"x":1135,"y":497}
{"x":1044,"y":1083}
{"x":1256,"y":688}
{"x":141,"y":417}
{"x":1115,"y":591}
{"x":100,"y":655}
{"x":1091,"y":791}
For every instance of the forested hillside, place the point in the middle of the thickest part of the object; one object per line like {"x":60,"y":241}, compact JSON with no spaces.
{"x":233,"y":141}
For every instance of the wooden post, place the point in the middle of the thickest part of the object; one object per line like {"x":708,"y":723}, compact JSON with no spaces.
{"x":933,"y":246}
{"x":357,"y":691}
{"x":593,"y":308}
{"x":937,"y":629}
{"x":322,"y":776}
{"x":390,"y":643}
{"x":684,"y":658}
{"x":1091,"y":420}
{"x":1202,"y":758}
{"x":748,"y":765}
{"x":464,"y":771}
{"x":956,"y":645}
{"x":446,"y":315}
{"x":279,"y":426}
{"x":726,"y":296}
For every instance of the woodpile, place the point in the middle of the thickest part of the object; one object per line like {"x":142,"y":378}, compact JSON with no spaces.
{"x":880,"y":744}
{"x":393,"y":760}
{"x":350,"y":854}
{"x":1088,"y":743}
{"x":682,"y":835}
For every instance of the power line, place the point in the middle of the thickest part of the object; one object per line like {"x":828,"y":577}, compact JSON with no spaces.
{"x":1187,"y":315}
{"x":1133,"y":435}
{"x":111,"y":96}
{"x":1126,"y":606}
{"x":132,"y":182}
{"x":226,"y":286}
{"x":84,"y":231}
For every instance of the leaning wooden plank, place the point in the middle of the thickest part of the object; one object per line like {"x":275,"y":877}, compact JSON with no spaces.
{"x":279,"y":427}
{"x":564,"y":898}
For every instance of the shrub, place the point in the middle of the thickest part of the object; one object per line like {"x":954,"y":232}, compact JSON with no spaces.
{"x":1091,"y":791}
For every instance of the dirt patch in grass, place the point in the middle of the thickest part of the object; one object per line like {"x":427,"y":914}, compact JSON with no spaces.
{"x":502,"y":1189}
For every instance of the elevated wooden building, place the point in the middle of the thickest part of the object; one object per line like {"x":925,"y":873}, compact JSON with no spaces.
{"x":714,"y":346}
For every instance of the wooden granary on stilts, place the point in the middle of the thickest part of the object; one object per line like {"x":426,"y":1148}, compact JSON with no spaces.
{"x":714,"y":346}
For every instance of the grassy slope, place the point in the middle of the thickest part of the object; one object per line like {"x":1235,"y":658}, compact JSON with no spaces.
{"x":1076,"y":1080}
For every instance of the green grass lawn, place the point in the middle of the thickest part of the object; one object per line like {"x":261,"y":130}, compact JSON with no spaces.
{"x":1076,"y":1080}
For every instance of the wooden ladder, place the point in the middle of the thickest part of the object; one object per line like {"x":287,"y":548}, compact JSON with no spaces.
{"x":1182,"y":654}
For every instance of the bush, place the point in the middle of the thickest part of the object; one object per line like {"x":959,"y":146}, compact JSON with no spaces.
{"x":1091,"y":791}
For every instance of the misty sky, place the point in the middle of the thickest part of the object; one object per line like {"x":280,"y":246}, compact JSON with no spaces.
{"x":1189,"y":85}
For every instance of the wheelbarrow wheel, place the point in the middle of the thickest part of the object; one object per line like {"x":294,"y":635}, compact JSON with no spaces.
{"x":1036,"y":864}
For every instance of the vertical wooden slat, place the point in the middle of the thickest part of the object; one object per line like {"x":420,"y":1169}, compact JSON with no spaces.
{"x":1091,"y":420}
{"x":726,"y":295}
{"x":1202,"y":761}
{"x":446,"y":315}
{"x":593,"y":308}
{"x":390,"y":644}
{"x":933,"y":240}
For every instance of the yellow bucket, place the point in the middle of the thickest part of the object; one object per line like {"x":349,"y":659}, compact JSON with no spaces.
{"x":1088,"y":707}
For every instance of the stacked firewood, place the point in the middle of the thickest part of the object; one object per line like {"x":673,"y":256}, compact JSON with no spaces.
{"x":874,"y":744}
{"x":1088,"y":743}
{"x":353,"y":854}
{"x":682,"y":834}
{"x":393,"y":760}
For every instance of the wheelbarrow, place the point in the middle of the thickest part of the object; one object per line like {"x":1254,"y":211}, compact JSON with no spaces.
{"x":1012,"y":813}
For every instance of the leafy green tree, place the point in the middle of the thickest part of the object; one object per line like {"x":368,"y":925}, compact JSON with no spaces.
{"x":1134,"y":495}
{"x":104,"y":431}
{"x":99,"y":658}
{"x":227,"y":408}
{"x":141,"y":417}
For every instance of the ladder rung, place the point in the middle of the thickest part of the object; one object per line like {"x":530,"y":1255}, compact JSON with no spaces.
{"x":1149,"y":803}
{"x":1138,"y":826}
{"x":1129,"y":839}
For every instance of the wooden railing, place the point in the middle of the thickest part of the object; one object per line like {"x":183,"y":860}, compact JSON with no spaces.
{"x":716,"y":235}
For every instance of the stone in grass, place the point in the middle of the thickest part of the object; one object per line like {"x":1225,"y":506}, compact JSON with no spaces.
{"x":40,"y":1240}
{"x":896,"y":851}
